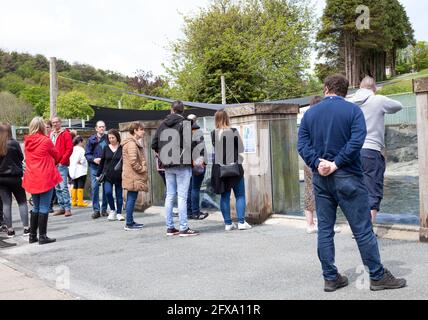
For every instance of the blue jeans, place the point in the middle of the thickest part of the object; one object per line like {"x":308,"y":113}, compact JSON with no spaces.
{"x":239,"y":191}
{"x":93,"y":169}
{"x":108,"y":189}
{"x":42,"y":202}
{"x":177,"y":182}
{"x":194,"y":194}
{"x":62,"y":192}
{"x":374,"y":171}
{"x":131,"y":198}
{"x":349,"y":192}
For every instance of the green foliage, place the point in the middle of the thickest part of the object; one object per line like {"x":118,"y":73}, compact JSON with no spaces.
{"x":74,"y":104}
{"x":38,"y":97}
{"x":413,"y":58}
{"x":14,"y":110}
{"x":398,"y":87}
{"x":260,"y":46}
{"x":12,"y":83}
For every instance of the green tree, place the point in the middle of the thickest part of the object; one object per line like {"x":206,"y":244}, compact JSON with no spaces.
{"x":38,"y":97}
{"x":260,"y":46}
{"x":14,"y":110}
{"x":74,"y":105}
{"x":12,"y":83}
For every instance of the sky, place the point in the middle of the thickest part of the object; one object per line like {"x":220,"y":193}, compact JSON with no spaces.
{"x":121,"y":36}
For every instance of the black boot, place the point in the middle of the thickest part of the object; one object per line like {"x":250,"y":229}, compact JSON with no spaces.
{"x":43,"y":225}
{"x":34,"y":224}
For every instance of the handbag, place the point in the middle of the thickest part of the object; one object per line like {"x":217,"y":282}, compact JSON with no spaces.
{"x":119,"y":165}
{"x":229,"y":171}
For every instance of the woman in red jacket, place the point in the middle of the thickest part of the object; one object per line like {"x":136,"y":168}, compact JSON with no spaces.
{"x":40,"y":177}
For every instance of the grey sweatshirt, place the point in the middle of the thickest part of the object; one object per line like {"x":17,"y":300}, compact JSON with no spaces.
{"x":374,"y":108}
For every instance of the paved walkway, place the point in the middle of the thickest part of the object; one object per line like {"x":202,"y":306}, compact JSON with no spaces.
{"x":99,"y":260}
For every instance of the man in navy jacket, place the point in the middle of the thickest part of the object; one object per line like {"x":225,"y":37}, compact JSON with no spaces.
{"x":331,"y":137}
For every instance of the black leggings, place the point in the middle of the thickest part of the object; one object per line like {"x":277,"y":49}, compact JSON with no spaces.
{"x":9,"y":186}
{"x":79,"y":183}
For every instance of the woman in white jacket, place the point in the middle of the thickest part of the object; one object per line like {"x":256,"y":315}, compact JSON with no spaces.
{"x":78,"y":171}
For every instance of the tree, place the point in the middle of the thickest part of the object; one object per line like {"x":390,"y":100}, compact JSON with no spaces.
{"x":145,"y":82}
{"x":355,"y":51}
{"x":420,"y":53}
{"x":260,"y":46}
{"x":14,"y":110}
{"x":74,"y":105}
{"x":38,"y":97}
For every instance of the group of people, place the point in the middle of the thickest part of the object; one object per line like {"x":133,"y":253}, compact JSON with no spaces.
{"x":340,"y":141}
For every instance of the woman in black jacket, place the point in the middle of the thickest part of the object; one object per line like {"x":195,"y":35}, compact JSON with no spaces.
{"x":227,"y":147}
{"x":11,"y":172}
{"x":112,"y":171}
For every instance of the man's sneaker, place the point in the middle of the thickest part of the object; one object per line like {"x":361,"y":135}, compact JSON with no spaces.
{"x":189,"y":233}
{"x":96,"y":215}
{"x":59,"y":212}
{"x":138,"y":225}
{"x":175,"y":212}
{"x":388,"y":282}
{"x":104,"y":214}
{"x":120,"y":217}
{"x":230,"y":227}
{"x":112,"y":216}
{"x":3,"y":228}
{"x":244,"y":226}
{"x":332,"y":286}
{"x":10,"y":234}
{"x":26,"y":232}
{"x":172,"y":232}
{"x":312,"y":229}
{"x":132,"y":228}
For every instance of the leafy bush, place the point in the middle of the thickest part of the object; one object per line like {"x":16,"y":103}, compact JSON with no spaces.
{"x":14,"y":110}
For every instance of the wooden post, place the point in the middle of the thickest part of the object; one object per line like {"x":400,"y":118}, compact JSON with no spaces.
{"x":53,"y":87}
{"x":420,"y":87}
{"x":223,"y":90}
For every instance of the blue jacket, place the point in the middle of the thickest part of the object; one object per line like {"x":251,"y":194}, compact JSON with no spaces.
{"x":334,"y":130}
{"x":94,"y":148}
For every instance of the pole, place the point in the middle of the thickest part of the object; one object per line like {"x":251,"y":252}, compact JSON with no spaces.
{"x":420,"y":87}
{"x":119,"y":103}
{"x":223,"y":90}
{"x":53,"y":87}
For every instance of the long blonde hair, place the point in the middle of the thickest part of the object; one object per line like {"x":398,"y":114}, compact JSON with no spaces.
{"x":5,"y":136}
{"x":222,"y":120}
{"x":37,"y":125}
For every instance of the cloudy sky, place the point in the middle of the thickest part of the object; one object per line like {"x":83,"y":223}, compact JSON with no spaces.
{"x":122,"y":36}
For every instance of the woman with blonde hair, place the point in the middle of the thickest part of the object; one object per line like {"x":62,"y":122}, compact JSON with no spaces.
{"x":227,"y":171}
{"x":11,"y":172}
{"x":40,"y":177}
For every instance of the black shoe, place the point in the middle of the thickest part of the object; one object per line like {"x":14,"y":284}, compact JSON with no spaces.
{"x":172,"y":232}
{"x":189,"y":233}
{"x":104,"y":214}
{"x":132,"y":228}
{"x":26,"y":232}
{"x":11,"y":234}
{"x":332,"y":286}
{"x":43,"y":225}
{"x":96,"y":215}
{"x":3,"y":228}
{"x":388,"y":282}
{"x":34,"y":225}
{"x":137,"y":225}
{"x":200,"y":216}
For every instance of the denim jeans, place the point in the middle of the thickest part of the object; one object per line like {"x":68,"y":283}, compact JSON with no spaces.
{"x":96,"y":191}
{"x":194,"y":194}
{"x":349,"y":192}
{"x":42,"y":202}
{"x":62,"y":192}
{"x":108,"y":189}
{"x":374,"y":171}
{"x":239,"y":191}
{"x":131,"y":198}
{"x":177,"y":182}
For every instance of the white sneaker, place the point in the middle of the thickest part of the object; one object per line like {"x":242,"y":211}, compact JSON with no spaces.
{"x":312,"y":230}
{"x":120,"y":217}
{"x":230,"y":227}
{"x":112,"y":216}
{"x":337,"y":229}
{"x":244,"y":226}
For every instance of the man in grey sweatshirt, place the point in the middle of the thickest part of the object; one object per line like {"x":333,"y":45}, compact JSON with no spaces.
{"x":374,"y":108}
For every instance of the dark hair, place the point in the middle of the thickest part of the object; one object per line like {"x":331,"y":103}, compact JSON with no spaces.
{"x":48,"y":123}
{"x":337,"y":84}
{"x":178,"y":107}
{"x":135,"y":126}
{"x":5,"y":136}
{"x":115,"y":133}
{"x":77,"y":140}
{"x":315,"y":100}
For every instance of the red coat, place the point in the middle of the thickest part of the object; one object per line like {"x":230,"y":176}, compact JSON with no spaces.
{"x":41,"y":174}
{"x":64,"y":146}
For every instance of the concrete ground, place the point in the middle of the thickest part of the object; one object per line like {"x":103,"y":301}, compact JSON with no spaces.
{"x":275,"y":261}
